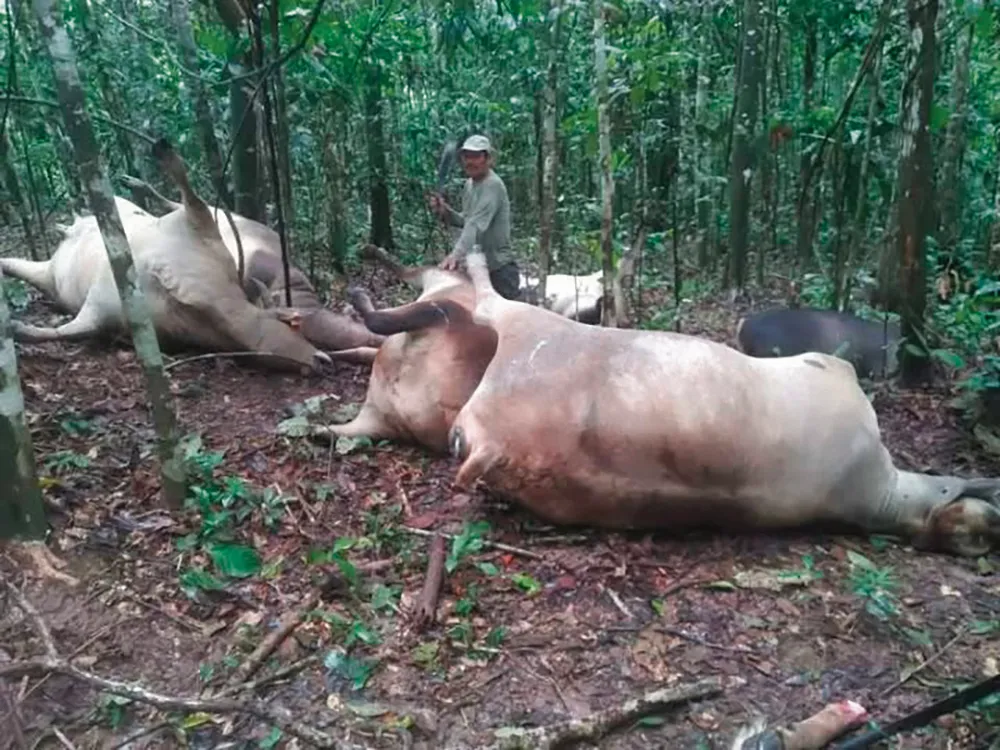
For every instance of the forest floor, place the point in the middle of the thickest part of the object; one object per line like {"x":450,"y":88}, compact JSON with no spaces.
{"x":563,"y":623}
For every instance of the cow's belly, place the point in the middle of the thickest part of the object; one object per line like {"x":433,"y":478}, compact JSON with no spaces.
{"x":651,"y":452}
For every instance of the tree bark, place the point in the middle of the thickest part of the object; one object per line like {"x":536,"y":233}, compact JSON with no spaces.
{"x":242,"y":116}
{"x":609,"y":315}
{"x":915,"y":183}
{"x":550,"y":153}
{"x":381,"y":228}
{"x":100,"y":199}
{"x":804,"y":210}
{"x":744,"y":127}
{"x":13,"y":186}
{"x":204,"y":120}
{"x":950,"y":195}
{"x":702,"y":151}
{"x":21,"y":511}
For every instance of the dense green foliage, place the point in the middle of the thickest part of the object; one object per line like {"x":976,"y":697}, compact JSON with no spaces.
{"x":446,"y":67}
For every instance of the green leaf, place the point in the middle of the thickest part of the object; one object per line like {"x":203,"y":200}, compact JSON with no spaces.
{"x":297,"y":426}
{"x":272,"y":739}
{"x":347,"y":445}
{"x":235,"y":560}
{"x":949,"y":358}
{"x":528,"y":584}
{"x":488,"y":568}
{"x":196,"y":579}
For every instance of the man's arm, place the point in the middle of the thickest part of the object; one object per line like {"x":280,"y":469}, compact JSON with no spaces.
{"x":478,"y":219}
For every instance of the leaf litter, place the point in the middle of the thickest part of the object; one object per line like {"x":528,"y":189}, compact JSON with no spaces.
{"x":788,"y":621}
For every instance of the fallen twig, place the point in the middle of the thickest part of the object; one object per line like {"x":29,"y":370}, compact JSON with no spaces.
{"x":617,"y":601}
{"x":271,"y":641}
{"x":486,"y":543}
{"x":53,"y":663}
{"x":599,"y":724}
{"x":144,"y":732}
{"x":63,"y":739}
{"x":920,"y":667}
{"x":427,"y":608}
{"x":280,"y":674}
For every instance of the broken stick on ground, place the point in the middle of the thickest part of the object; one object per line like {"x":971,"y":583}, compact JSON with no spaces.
{"x":427,"y":608}
{"x":599,"y":724}
{"x":53,"y":663}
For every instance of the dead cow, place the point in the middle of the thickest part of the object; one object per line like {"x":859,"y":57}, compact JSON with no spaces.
{"x":574,"y":297}
{"x":185,"y":271}
{"x":264,"y":281}
{"x":431,"y":363}
{"x":627,"y":428}
{"x":785,"y":332}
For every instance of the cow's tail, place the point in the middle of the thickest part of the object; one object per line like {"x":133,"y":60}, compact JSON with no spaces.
{"x":38,"y":273}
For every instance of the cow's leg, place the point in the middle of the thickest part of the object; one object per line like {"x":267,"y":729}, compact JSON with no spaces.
{"x":478,"y":457}
{"x":38,"y":273}
{"x":414,"y":316}
{"x":948,"y":513}
{"x":360,"y":355}
{"x":88,"y":323}
{"x":368,"y":423}
{"x":197,"y":210}
{"x":488,"y":301}
{"x":147,"y":191}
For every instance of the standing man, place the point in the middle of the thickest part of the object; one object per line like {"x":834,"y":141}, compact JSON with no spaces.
{"x":485,"y":218}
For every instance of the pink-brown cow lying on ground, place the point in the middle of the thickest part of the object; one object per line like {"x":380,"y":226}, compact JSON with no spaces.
{"x":644,"y":429}
{"x":186,"y":273}
{"x":431,"y":363}
{"x":264,"y":282}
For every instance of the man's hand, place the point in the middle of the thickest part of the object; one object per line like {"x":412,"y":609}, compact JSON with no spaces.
{"x":436,"y":203}
{"x":450,"y":263}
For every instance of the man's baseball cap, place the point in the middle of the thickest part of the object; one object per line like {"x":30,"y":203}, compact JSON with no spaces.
{"x":476,"y":143}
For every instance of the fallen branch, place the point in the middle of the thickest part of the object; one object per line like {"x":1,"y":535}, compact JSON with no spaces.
{"x":427,"y":608}
{"x":923,"y":665}
{"x":52,"y":663}
{"x":267,"y":645}
{"x":280,"y":674}
{"x":596,"y":726}
{"x":486,"y":543}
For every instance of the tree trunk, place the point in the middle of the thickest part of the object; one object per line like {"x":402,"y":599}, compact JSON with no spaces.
{"x":702,"y":156}
{"x":100,"y":198}
{"x":242,"y":116}
{"x":609,"y":315}
{"x":860,"y":214}
{"x":13,"y":186}
{"x":550,"y":154}
{"x":766,"y":156}
{"x":204,"y":119}
{"x":950,"y":196}
{"x":281,"y":118}
{"x":804,"y":210}
{"x":915,"y":183}
{"x":744,"y":127}
{"x":21,"y":511}
{"x":381,"y":228}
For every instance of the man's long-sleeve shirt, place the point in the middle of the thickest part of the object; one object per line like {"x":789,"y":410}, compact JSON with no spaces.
{"x":485,"y":218}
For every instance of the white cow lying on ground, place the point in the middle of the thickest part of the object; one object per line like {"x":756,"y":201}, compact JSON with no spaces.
{"x":186,"y":273}
{"x":264,"y":282}
{"x":574,"y":297}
